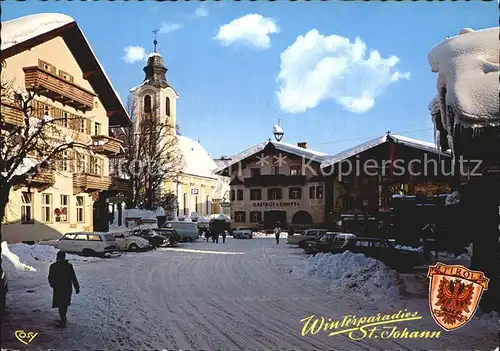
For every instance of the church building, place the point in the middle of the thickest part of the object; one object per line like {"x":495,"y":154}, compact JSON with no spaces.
{"x":197,"y":188}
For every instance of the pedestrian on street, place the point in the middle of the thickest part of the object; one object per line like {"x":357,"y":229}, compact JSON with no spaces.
{"x":277,"y":232}
{"x":215,"y":237}
{"x":224,"y":236}
{"x":207,"y":235}
{"x":62,"y":279}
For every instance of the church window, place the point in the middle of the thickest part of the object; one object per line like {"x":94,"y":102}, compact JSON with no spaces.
{"x":147,"y":104}
{"x":167,"y":106}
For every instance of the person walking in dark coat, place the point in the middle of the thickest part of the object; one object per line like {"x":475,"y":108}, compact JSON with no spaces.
{"x":62,"y":279}
{"x":215,"y":237}
{"x":277,"y":232}
{"x":224,"y":236}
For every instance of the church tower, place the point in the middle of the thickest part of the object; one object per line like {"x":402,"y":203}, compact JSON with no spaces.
{"x":155,"y":95}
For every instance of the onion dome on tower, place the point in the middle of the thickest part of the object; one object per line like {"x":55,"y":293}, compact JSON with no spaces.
{"x":155,"y":70}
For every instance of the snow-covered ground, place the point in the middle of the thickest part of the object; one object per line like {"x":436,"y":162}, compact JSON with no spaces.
{"x":244,"y":294}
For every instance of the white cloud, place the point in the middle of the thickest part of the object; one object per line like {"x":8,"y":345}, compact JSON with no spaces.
{"x":169,"y":27}
{"x":201,"y":11}
{"x":251,"y":29}
{"x":316,"y":68}
{"x":134,"y":54}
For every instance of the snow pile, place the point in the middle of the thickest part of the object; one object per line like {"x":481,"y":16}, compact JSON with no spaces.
{"x":137,"y":213}
{"x":42,"y":253}
{"x":15,"y":259}
{"x":464,"y":256}
{"x":353,"y":273}
{"x":409,"y":248}
{"x":283,"y":235}
{"x":453,"y":198}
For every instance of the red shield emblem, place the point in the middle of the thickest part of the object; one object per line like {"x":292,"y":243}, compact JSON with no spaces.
{"x":454,"y":294}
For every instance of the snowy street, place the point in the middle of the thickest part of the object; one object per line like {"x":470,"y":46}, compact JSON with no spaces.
{"x":204,"y":296}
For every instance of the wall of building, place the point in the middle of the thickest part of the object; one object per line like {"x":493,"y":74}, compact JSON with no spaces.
{"x":56,"y":53}
{"x":196,"y":194}
{"x":15,"y":231}
{"x":315,"y":207}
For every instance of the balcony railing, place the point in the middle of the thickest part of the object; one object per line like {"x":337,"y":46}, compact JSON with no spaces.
{"x":11,"y":115}
{"x":275,"y":180}
{"x":119,"y":184}
{"x":89,"y":183}
{"x":105,"y":144}
{"x":57,"y":88}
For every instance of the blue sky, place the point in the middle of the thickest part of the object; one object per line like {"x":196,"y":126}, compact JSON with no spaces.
{"x":224,"y":60}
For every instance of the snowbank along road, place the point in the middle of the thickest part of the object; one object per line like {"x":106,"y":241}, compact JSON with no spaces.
{"x":202,"y":296}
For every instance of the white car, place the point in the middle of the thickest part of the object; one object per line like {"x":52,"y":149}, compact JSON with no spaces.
{"x":87,"y":243}
{"x":242,"y":233}
{"x":128,"y":242}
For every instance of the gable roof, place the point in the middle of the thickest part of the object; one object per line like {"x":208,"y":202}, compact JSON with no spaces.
{"x":398,"y":139}
{"x":23,"y":33}
{"x":280,"y":146}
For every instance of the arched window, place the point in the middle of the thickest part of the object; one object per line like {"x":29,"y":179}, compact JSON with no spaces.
{"x":185,"y":204}
{"x":167,"y":106}
{"x":147,"y":104}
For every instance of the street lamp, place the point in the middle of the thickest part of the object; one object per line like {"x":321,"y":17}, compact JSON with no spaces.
{"x":278,"y":131}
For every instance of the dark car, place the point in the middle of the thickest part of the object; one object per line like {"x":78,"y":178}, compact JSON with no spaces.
{"x":154,"y":239}
{"x":169,"y":233}
{"x":379,"y":249}
{"x":306,"y":243}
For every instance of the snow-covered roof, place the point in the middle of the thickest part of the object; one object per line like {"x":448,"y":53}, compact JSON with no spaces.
{"x":279,"y":145}
{"x":196,"y":160}
{"x":468,"y":66}
{"x":153,"y":54}
{"x":399,"y":139}
{"x":19,"y":30}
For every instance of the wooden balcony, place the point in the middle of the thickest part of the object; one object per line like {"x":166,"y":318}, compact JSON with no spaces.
{"x":89,"y":183}
{"x":119,"y":184}
{"x":43,"y":180}
{"x":57,"y":88}
{"x":275,"y":180}
{"x":105,"y":144}
{"x":11,"y":115}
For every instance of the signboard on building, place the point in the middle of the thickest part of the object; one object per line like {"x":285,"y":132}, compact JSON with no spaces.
{"x":276,"y":204}
{"x":194,"y":191}
{"x":224,"y":204}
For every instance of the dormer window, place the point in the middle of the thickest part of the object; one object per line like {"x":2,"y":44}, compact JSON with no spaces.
{"x":147,"y":104}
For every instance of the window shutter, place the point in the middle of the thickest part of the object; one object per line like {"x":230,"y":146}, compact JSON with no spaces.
{"x":88,"y":126}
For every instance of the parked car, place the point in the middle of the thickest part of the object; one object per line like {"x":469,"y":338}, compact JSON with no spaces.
{"x":87,"y":243}
{"x":242,"y":233}
{"x":309,"y":234}
{"x":188,"y":231}
{"x":4,"y":288}
{"x":127,"y":242}
{"x":379,"y":249}
{"x":169,"y":233}
{"x":154,"y":239}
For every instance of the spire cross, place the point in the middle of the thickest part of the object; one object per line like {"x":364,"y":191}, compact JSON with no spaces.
{"x":155,"y":41}
{"x":279,"y":122}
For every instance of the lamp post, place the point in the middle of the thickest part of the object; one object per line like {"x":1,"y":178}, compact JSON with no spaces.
{"x":278,"y":131}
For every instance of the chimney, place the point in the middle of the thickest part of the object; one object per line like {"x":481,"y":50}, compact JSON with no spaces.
{"x":302,"y":145}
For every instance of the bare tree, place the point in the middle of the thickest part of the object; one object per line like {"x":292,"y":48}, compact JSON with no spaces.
{"x":31,"y":140}
{"x":151,"y":157}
